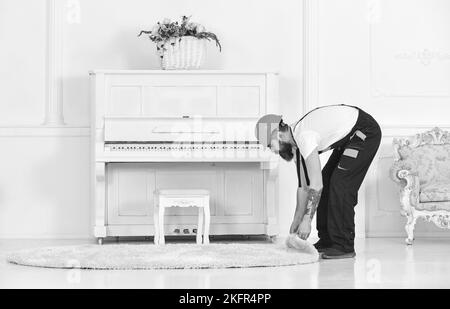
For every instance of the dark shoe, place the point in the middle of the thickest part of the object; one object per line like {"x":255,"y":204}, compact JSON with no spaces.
{"x":322,"y":246}
{"x":335,"y":254}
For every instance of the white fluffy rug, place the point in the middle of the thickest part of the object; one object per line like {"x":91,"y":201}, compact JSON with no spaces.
{"x":170,"y":256}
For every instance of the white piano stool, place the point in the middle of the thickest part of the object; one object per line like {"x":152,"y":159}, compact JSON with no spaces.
{"x":183,"y":199}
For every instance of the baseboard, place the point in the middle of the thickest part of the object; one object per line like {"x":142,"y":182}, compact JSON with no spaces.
{"x":47,"y":237}
{"x":90,"y":237}
{"x":403,"y":235}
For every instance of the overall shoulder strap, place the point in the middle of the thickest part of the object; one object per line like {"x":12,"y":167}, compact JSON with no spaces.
{"x":297,"y":165}
{"x":295,"y":125}
{"x":305,"y":171}
{"x":304,"y":116}
{"x":303,"y":163}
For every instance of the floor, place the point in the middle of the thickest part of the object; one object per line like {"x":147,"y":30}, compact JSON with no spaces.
{"x":380,"y":263}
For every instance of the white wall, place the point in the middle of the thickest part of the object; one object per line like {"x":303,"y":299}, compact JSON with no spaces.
{"x":389,"y":57}
{"x":50,"y":47}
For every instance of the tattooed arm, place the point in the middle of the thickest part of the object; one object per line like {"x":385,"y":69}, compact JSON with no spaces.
{"x":308,"y":197}
{"x":313,"y":198}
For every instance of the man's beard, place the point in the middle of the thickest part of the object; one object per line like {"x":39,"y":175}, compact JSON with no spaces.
{"x":286,"y":151}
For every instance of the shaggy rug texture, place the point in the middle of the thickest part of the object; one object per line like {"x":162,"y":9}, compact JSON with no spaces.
{"x":170,"y":256}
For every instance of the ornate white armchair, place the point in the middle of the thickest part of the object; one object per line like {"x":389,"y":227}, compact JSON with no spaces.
{"x":422,"y":169}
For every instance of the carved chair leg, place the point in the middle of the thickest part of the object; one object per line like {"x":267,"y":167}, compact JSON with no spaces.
{"x":410,"y":224}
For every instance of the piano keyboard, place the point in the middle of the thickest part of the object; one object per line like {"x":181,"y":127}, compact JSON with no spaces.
{"x":187,"y":151}
{"x":166,"y":147}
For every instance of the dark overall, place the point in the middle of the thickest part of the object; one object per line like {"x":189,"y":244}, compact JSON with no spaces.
{"x":342,"y":177}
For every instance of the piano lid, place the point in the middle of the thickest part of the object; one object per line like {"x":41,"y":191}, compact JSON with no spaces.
{"x":196,"y":129}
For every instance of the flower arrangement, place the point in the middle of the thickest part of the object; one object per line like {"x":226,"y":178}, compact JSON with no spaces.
{"x":164,"y":33}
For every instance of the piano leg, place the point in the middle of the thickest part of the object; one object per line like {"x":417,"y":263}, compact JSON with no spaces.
{"x":161,"y":226}
{"x":207,"y":223}
{"x":100,"y":241}
{"x":100,"y":201}
{"x":200,"y":233}
{"x":156,"y":221}
{"x":271,"y":198}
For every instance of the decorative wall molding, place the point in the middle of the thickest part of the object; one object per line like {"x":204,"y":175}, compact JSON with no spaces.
{"x":425,"y":56}
{"x":405,"y":130}
{"x":44,"y":131}
{"x":384,"y":156}
{"x":389,"y":131}
{"x":54,"y":95}
{"x":310,"y":54}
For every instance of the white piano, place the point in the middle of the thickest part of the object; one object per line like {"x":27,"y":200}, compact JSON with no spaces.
{"x":155,"y":130}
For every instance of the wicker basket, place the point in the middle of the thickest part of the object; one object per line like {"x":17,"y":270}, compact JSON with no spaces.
{"x":183,"y":53}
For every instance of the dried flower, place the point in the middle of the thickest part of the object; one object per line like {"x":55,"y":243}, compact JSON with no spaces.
{"x":167,"y":30}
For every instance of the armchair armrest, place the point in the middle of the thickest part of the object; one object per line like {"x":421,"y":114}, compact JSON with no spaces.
{"x":403,"y":172}
{"x":404,"y":166}
{"x":409,"y":192}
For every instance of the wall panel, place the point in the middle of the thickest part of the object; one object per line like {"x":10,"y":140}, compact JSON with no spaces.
{"x":22,"y":62}
{"x":44,"y":186}
{"x":390,"y":58}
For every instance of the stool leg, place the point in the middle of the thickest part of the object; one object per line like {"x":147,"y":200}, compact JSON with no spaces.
{"x":156,"y":223}
{"x":200,"y":226}
{"x":161,"y":225}
{"x":207,"y":224}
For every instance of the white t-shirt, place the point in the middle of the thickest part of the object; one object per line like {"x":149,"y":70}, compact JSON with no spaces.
{"x":323,"y":127}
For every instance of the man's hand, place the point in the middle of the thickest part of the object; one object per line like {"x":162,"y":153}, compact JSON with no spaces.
{"x":304,"y":229}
